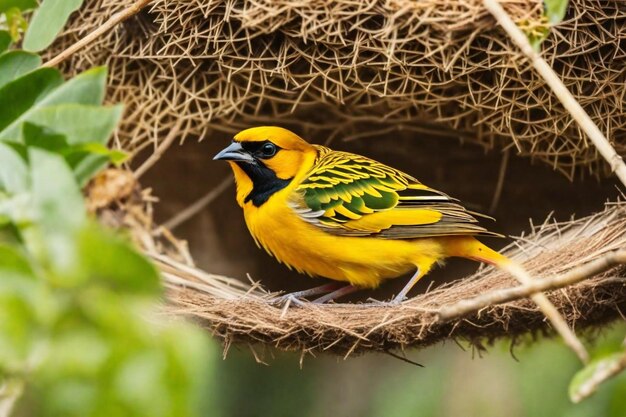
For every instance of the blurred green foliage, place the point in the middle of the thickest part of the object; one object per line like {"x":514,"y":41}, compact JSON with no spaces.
{"x":553,"y":13}
{"x":454,"y":382}
{"x":555,"y":10}
{"x":79,"y":330}
{"x":47,"y":22}
{"x":48,"y":18}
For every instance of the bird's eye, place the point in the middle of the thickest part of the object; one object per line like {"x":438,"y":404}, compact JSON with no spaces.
{"x":268,"y":150}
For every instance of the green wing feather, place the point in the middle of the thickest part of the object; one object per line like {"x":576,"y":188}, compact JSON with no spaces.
{"x":345,"y":194}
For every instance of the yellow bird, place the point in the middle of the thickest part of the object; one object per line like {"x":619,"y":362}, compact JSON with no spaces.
{"x":344,"y":216}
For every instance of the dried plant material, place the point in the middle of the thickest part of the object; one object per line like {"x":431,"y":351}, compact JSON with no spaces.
{"x":359,"y":68}
{"x":353,"y":69}
{"x":109,"y":186}
{"x":241,"y":313}
{"x":592,"y":131}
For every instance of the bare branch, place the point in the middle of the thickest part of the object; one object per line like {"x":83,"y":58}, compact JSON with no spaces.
{"x":465,"y":307}
{"x":160,"y":150}
{"x":197,"y":206}
{"x":113,"y":21}
{"x":550,"y":311}
{"x":10,"y":391}
{"x":500,"y":184}
{"x":567,"y":99}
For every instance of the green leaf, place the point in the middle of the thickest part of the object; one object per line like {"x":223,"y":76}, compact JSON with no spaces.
{"x":88,"y":159}
{"x":18,"y":322}
{"x":13,"y":170}
{"x":59,"y":213}
{"x":56,"y":194}
{"x":48,"y":21}
{"x":18,"y":97}
{"x":88,"y":166}
{"x":536,"y":38}
{"x":41,"y":137}
{"x":14,"y":262}
{"x":116,"y":157}
{"x":579,"y":387}
{"x":85,"y":159}
{"x":5,"y":40}
{"x":20,"y":148}
{"x":555,"y":10}
{"x":15,"y":22}
{"x":79,"y":123}
{"x":21,"y":302}
{"x":14,"y":64}
{"x":64,"y":360}
{"x":113,"y":262}
{"x":19,"y":4}
{"x":86,"y":88}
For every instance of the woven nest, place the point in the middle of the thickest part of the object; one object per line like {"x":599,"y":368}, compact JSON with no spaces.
{"x":347,"y":69}
{"x":239,"y":312}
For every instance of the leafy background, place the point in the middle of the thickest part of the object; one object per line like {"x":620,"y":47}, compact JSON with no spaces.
{"x":80,"y":333}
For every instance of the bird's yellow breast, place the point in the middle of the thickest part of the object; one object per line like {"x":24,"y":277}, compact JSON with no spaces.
{"x":362,"y":261}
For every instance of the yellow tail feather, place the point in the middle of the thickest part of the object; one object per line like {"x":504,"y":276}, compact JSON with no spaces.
{"x":471,"y":248}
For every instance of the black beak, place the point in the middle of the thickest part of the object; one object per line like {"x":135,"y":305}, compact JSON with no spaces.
{"x":234,"y":152}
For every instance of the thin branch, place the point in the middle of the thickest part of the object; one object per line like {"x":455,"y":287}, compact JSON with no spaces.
{"x":113,"y":21}
{"x":160,"y":150}
{"x":597,"y":266}
{"x":495,"y":201}
{"x":567,"y":99}
{"x":199,"y":205}
{"x":601,"y":374}
{"x":403,"y":359}
{"x":10,"y":391}
{"x":550,"y":311}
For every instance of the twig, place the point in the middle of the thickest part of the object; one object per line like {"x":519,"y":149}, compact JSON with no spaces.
{"x":601,"y":374}
{"x":160,"y":150}
{"x":578,"y":274}
{"x":403,"y":359}
{"x":550,"y":311}
{"x":200,"y":204}
{"x":10,"y":392}
{"x":500,"y":184}
{"x":113,"y":21}
{"x":552,"y":79}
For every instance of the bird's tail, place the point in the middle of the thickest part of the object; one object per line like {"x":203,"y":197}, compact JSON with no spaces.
{"x":471,"y":248}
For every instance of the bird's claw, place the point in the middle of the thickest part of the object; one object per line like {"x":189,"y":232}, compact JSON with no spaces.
{"x":286,"y":299}
{"x":391,"y":303}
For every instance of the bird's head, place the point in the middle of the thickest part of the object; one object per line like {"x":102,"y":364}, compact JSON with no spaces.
{"x":266,"y":159}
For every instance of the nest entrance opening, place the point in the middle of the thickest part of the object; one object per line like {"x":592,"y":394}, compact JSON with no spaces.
{"x":220,"y":243}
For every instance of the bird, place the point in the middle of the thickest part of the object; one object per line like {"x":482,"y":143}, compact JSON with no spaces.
{"x":346,"y":217}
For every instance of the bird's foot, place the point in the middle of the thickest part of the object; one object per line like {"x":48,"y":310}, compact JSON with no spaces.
{"x":375,"y":302}
{"x":287,"y":301}
{"x":396,"y":301}
{"x":298,"y":296}
{"x":290,"y":298}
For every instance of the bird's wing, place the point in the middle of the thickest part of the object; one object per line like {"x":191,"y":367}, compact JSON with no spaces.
{"x":351,"y":195}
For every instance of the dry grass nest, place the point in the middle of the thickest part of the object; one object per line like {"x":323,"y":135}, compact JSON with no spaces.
{"x":353,"y":68}
{"x":349,"y":69}
{"x":239,"y":312}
